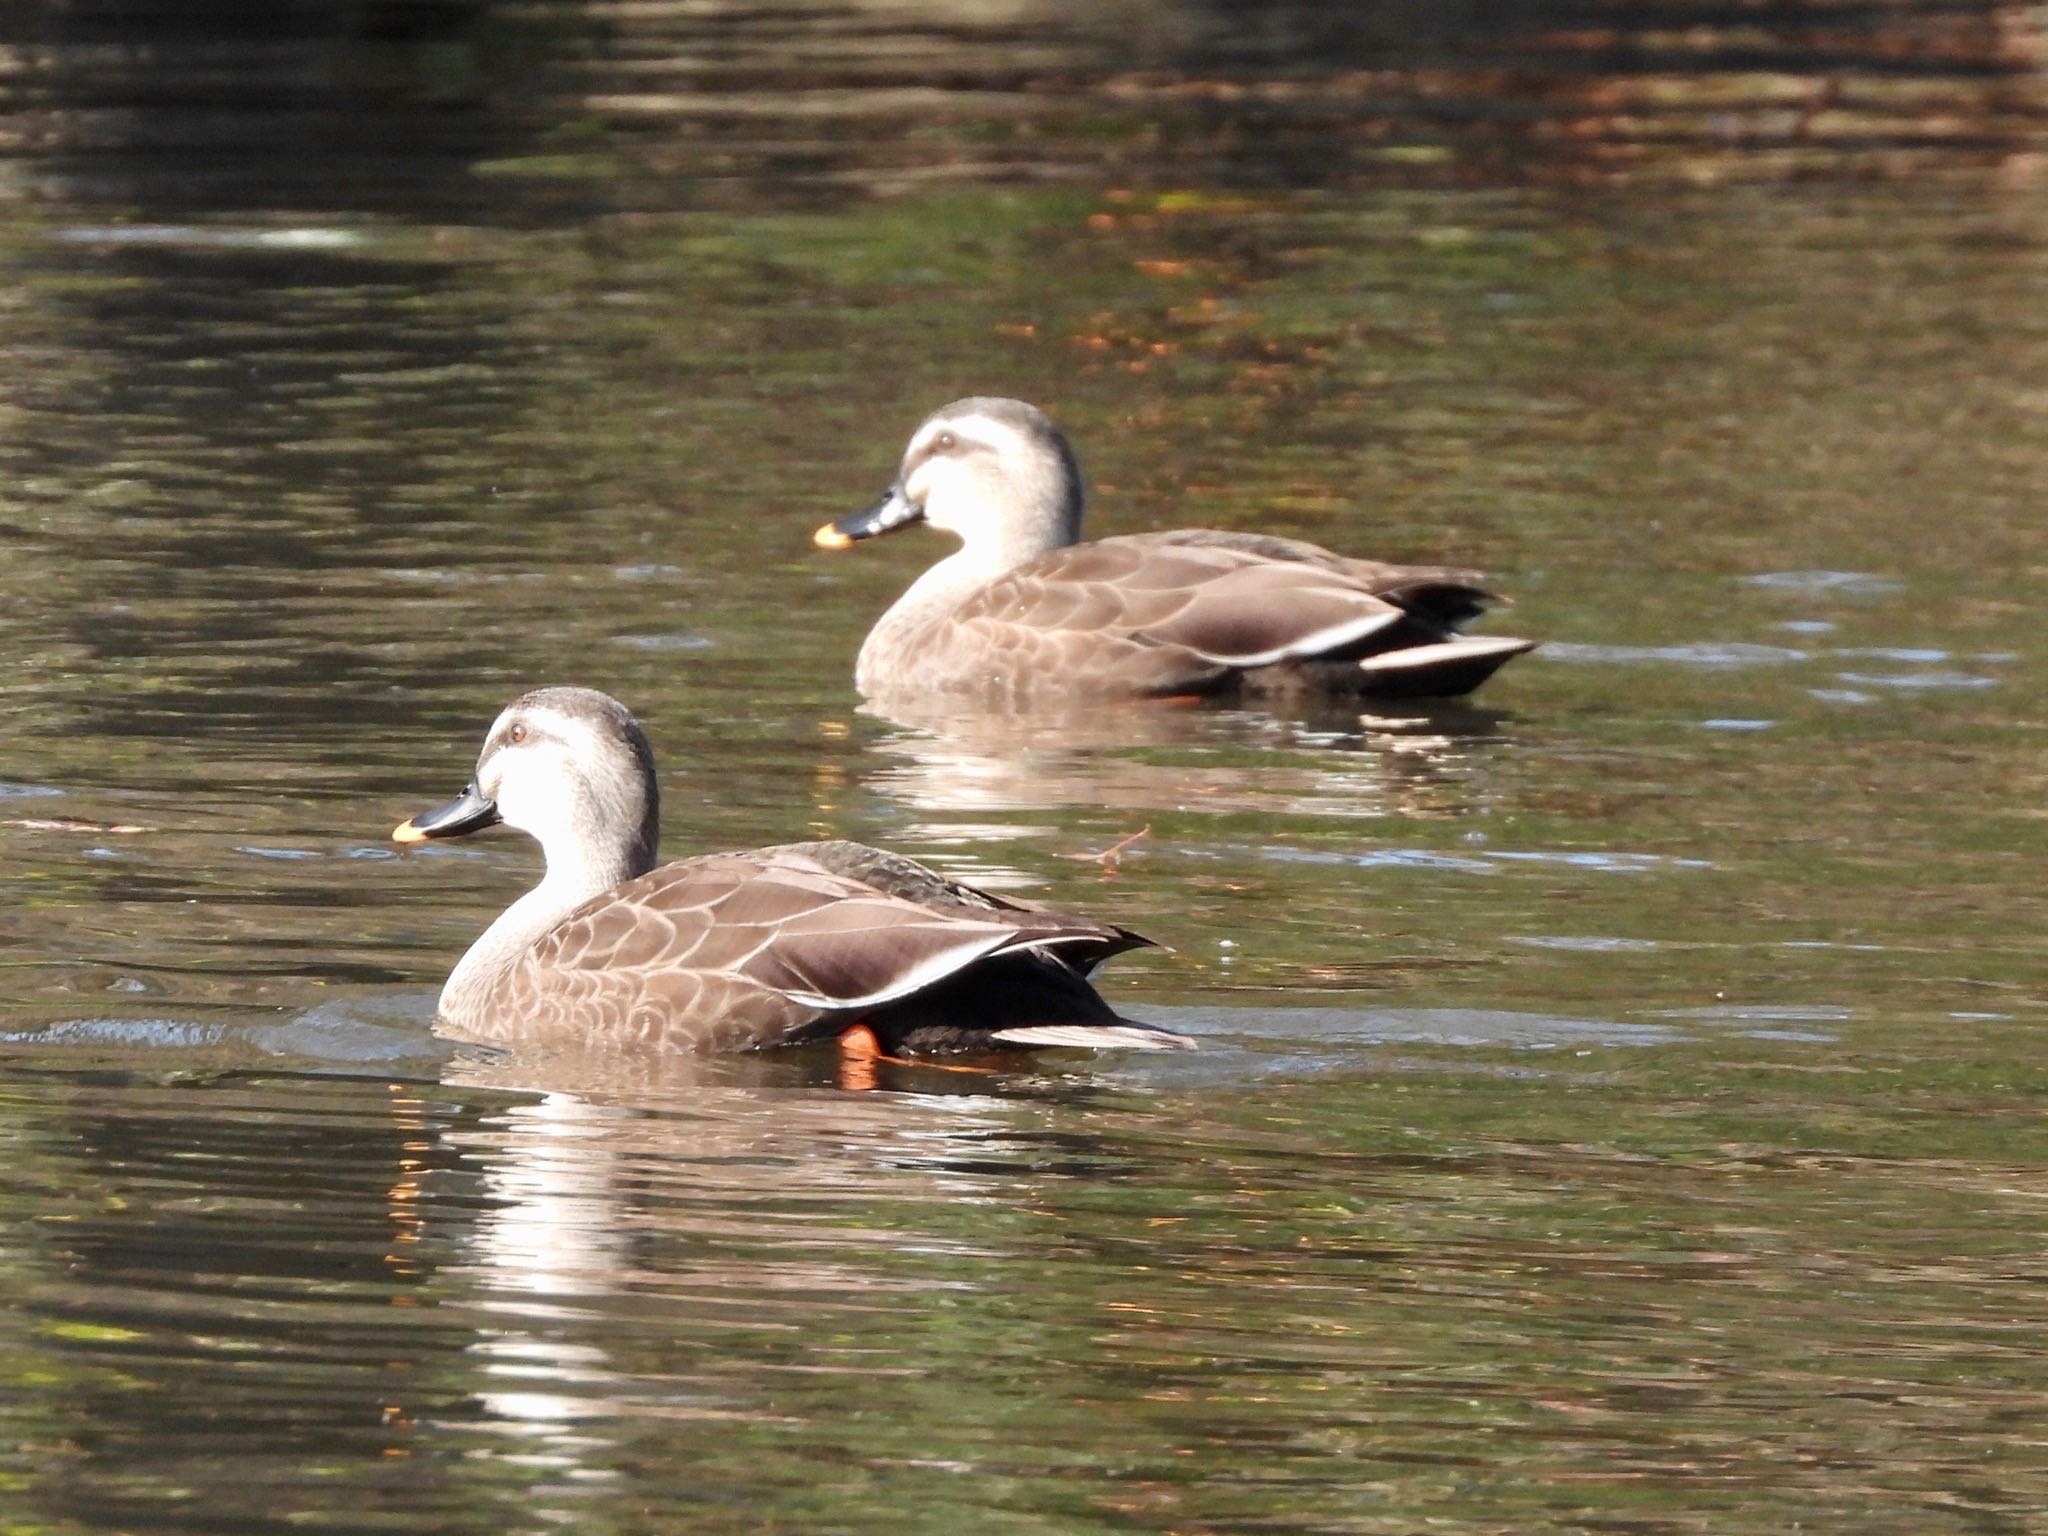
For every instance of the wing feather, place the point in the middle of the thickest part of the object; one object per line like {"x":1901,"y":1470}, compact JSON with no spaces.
{"x":757,"y":948}
{"x":1177,"y":612}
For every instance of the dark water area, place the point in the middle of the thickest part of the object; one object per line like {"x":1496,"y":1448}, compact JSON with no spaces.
{"x":1619,"y":1105}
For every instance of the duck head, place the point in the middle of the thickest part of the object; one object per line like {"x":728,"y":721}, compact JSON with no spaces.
{"x":569,"y":767}
{"x":996,"y":474}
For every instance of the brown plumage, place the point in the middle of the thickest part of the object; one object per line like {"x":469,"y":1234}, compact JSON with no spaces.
{"x":1025,"y":609}
{"x":732,"y":951}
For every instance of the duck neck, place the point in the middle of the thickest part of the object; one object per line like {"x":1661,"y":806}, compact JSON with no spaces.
{"x":934,"y":594}
{"x":572,"y":878}
{"x":944,"y":588}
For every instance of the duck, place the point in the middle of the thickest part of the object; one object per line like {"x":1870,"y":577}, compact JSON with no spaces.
{"x":778,"y":946}
{"x":1026,"y":609}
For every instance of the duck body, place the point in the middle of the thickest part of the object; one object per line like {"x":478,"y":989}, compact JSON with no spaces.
{"x":784,"y":945}
{"x":1026,"y":609}
{"x":738,"y":951}
{"x":1193,"y":612}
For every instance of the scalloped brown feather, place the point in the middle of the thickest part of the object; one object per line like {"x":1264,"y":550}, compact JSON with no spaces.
{"x":1193,"y":611}
{"x":738,"y":950}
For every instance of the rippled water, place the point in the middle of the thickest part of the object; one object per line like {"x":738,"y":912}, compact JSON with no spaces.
{"x":1620,"y":1106}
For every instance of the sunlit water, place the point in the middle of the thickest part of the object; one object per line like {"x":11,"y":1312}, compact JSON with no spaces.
{"x":1619,"y":1105}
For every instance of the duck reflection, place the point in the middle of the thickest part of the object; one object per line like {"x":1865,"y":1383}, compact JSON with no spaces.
{"x":747,"y":1194}
{"x":949,"y":758}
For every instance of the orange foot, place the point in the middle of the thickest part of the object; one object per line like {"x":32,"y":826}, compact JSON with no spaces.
{"x":860,"y":1052}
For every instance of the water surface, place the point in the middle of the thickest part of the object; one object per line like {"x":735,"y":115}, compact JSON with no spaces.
{"x":1619,"y":1105}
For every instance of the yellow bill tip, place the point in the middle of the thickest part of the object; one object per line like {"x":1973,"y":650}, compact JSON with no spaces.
{"x":406,"y":832}
{"x":829,"y":537}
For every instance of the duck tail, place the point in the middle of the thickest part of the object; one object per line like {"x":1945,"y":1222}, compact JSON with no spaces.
{"x":1128,"y":1035}
{"x":1444,"y":669}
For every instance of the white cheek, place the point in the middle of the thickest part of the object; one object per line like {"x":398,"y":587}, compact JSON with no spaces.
{"x":946,"y":492}
{"x":531,"y":799}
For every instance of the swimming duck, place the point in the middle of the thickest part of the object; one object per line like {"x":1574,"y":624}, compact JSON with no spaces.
{"x":734,"y":951}
{"x":1024,"y":608}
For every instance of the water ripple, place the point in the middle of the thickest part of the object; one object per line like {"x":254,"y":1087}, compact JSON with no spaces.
{"x":1713,"y":655}
{"x":1918,"y":681}
{"x":1855,"y":583}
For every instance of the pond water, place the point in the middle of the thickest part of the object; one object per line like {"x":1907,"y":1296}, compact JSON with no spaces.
{"x":1620,"y":1106}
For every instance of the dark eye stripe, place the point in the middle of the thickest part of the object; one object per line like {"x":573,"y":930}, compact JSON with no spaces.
{"x":951,"y":442}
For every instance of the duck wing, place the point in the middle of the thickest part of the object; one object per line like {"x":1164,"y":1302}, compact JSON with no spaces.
{"x":1271,"y":546}
{"x":1154,"y":616}
{"x":1032,"y":991}
{"x":1451,"y":596}
{"x":737,"y":950}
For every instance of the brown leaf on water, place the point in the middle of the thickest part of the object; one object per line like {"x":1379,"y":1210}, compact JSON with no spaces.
{"x":1109,"y":856}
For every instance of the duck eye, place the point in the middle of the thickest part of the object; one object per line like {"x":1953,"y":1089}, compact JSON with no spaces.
{"x":516,"y":735}
{"x":946,"y":442}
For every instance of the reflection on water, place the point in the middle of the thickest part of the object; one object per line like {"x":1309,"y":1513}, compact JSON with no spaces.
{"x":566,"y":106}
{"x":517,"y":1310}
{"x":1619,"y":1110}
{"x":960,"y":761}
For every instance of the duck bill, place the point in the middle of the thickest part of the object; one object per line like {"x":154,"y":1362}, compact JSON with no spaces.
{"x":467,"y":812}
{"x":893,"y":511}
